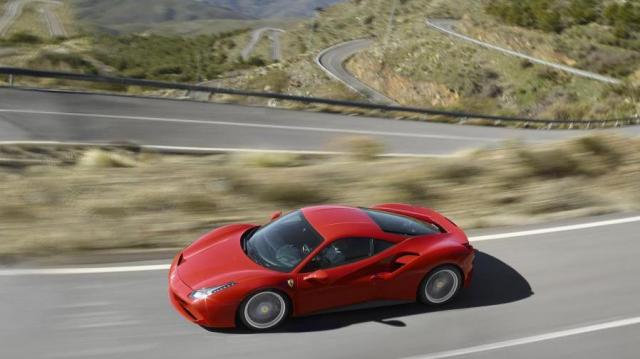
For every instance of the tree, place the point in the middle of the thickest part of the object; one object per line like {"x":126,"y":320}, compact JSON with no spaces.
{"x":583,"y":11}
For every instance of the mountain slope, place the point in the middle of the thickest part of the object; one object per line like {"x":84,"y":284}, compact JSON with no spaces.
{"x":418,"y":66}
{"x":273,"y":8}
{"x":110,"y":13}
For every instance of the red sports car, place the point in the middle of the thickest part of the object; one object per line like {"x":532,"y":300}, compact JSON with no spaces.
{"x":317,"y":259}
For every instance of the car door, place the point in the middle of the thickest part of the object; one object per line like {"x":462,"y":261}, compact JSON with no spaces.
{"x":339,"y":275}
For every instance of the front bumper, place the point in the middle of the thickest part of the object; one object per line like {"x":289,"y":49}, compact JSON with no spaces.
{"x":207,"y":312}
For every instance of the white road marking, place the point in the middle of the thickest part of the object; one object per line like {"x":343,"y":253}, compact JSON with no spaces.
{"x":531,"y":339}
{"x":90,"y":270}
{"x":102,"y":351}
{"x":573,"y":227}
{"x":155,"y":267}
{"x":249,"y":124}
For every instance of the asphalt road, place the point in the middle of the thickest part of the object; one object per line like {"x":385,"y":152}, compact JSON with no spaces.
{"x":571,"y":293}
{"x":51,"y":116}
{"x":332,"y":61}
{"x":54,"y":25}
{"x":564,"y":293}
{"x":256,"y":35}
{"x":12,"y":10}
{"x":447,"y":27}
{"x":276,"y":48}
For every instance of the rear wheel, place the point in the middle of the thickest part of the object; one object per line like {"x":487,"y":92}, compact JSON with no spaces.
{"x":264,"y":310}
{"x":440,"y":286}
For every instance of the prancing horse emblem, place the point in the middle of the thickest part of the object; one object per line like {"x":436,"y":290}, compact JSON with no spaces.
{"x":291,"y":283}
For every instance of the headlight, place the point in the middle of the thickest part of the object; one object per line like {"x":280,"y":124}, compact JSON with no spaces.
{"x":206,"y":292}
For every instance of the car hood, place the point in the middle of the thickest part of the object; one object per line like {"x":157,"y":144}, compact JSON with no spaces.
{"x":217,"y":258}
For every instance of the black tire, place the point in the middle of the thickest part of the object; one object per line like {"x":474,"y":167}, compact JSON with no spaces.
{"x":264,"y":310}
{"x":440,"y":286}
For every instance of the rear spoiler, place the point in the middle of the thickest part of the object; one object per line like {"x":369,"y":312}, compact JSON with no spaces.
{"x":421,"y":213}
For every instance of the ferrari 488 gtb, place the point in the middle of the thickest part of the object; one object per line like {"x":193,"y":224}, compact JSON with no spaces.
{"x":318,"y":259}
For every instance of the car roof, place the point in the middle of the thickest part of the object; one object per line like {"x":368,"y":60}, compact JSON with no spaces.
{"x":334,"y":222}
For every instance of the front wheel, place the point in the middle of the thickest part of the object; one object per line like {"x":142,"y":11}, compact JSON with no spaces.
{"x":440,"y":286}
{"x":264,"y":310}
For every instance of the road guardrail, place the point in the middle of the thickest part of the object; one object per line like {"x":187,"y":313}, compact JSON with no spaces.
{"x":13,"y":72}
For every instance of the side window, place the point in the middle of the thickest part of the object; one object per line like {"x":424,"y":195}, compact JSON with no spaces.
{"x":379,"y":246}
{"x":394,"y":223}
{"x":345,"y":251}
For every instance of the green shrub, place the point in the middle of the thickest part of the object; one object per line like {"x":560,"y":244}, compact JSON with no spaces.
{"x":169,"y":58}
{"x":24,"y":38}
{"x":256,"y":61}
{"x":48,"y":59}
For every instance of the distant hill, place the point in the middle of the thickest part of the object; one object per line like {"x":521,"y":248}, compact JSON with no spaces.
{"x":272,"y":8}
{"x":113,"y":13}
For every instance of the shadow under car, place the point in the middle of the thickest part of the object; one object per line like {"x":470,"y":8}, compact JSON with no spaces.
{"x":494,"y":282}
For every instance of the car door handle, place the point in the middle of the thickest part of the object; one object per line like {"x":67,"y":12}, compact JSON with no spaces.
{"x":380,"y":276}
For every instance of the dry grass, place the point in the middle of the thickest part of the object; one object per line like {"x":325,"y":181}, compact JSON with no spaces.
{"x":88,"y":199}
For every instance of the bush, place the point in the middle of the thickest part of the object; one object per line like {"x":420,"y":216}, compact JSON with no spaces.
{"x":457,"y":171}
{"x":557,"y":15}
{"x":362,"y":148}
{"x":195,"y":203}
{"x":60,"y":59}
{"x":102,"y":159}
{"x":256,"y":61}
{"x":268,"y":160}
{"x":291,"y":193}
{"x":169,"y":58}
{"x":550,"y":163}
{"x":272,"y":81}
{"x":24,"y":38}
{"x":412,"y":188}
{"x":602,"y":146}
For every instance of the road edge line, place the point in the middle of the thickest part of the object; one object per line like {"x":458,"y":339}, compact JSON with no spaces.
{"x":531,"y":339}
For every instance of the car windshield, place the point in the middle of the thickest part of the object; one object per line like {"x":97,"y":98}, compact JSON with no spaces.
{"x":284,"y":243}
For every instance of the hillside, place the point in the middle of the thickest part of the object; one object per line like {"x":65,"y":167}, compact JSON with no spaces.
{"x":114,"y":14}
{"x":273,"y":8}
{"x":187,"y":17}
{"x":409,"y":62}
{"x":417,"y":65}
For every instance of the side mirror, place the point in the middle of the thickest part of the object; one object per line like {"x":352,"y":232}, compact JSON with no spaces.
{"x":317,"y":276}
{"x":276,"y":215}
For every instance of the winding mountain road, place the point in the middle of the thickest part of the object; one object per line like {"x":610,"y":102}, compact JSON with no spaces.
{"x":447,"y":27}
{"x":332,"y":61}
{"x":51,"y":19}
{"x":256,"y":35}
{"x":13,"y":10}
